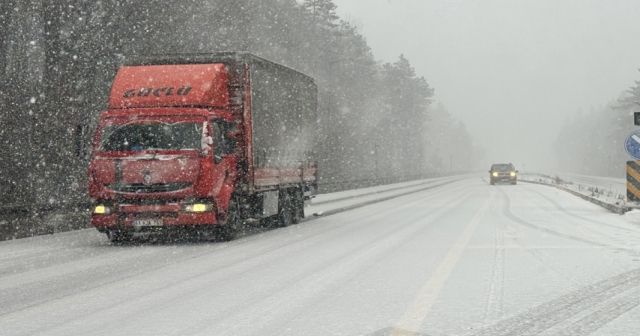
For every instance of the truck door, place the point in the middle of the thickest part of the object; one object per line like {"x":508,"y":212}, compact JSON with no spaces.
{"x":224,"y":161}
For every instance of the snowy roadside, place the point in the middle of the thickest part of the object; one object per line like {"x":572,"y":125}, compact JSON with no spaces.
{"x":608,"y":198}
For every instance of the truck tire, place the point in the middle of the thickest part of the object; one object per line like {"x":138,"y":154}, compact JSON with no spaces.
{"x":119,"y":236}
{"x":298,"y":206}
{"x":232,"y":228}
{"x":286,"y":210}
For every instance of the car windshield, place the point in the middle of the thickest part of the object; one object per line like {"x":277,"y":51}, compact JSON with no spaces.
{"x":151,"y":136}
{"x":503,"y":168}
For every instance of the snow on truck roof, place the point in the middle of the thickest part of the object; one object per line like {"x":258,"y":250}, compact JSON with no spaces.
{"x":185,"y":79}
{"x":205,"y":58}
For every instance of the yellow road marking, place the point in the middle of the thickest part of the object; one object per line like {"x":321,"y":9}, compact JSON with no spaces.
{"x":419,"y":308}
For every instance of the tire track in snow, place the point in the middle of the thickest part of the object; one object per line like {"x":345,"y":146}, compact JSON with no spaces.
{"x":509,"y":214}
{"x":586,"y":300}
{"x":556,"y":311}
{"x":602,"y":316}
{"x":495,"y":295}
{"x":562,"y":209}
{"x":23,"y":262}
{"x":589,"y":227}
{"x":627,"y":230}
{"x":621,"y":231}
{"x":540,"y":254}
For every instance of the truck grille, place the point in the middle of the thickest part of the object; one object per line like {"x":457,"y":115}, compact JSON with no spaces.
{"x":153,"y":215}
{"x":140,"y":188}
{"x":147,"y":201}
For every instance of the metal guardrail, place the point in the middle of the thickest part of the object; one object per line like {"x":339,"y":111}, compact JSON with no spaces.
{"x":41,"y":208}
{"x":335,"y":186}
{"x":19,"y":221}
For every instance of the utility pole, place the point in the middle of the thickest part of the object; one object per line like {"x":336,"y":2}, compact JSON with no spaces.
{"x":376,"y":146}
{"x":314,"y":13}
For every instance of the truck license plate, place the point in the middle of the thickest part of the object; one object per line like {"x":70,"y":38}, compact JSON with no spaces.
{"x":147,"y":222}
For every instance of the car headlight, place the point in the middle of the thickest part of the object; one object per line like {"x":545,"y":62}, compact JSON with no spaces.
{"x":198,"y":207}
{"x":495,"y":174}
{"x":513,"y":174}
{"x":102,"y":210}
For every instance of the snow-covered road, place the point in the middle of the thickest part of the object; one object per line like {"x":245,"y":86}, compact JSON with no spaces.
{"x":460,"y":258}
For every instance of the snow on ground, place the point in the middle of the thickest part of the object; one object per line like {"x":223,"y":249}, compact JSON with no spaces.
{"x":463,"y":258}
{"x":606,"y":189}
{"x":615,"y":185}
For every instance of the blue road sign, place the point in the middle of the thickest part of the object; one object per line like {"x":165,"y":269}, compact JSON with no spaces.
{"x":632,"y":144}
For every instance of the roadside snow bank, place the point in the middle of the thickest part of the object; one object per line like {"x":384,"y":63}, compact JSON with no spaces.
{"x":607,"y":199}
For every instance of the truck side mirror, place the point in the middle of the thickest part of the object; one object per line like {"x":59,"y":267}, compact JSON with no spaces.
{"x":206,"y":145}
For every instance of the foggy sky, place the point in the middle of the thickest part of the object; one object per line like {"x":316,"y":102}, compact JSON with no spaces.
{"x":511,"y":70}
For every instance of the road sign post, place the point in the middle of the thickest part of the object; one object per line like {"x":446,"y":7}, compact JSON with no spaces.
{"x":632,"y":146}
{"x":633,"y":181}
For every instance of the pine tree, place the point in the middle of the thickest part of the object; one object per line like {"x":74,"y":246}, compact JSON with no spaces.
{"x":323,"y":13}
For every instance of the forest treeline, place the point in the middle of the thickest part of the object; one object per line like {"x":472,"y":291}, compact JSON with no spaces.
{"x":592,"y":143}
{"x":58,"y":57}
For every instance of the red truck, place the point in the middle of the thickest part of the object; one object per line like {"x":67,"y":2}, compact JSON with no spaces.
{"x":203,"y":143}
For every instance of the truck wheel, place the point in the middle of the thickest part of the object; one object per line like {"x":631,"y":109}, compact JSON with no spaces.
{"x":286,"y":211}
{"x":491,"y":183}
{"x":233,"y":226}
{"x":119,"y":236}
{"x":298,"y":207}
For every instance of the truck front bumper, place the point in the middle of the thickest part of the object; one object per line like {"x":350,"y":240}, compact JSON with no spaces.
{"x":141,"y":216}
{"x":180,"y":219}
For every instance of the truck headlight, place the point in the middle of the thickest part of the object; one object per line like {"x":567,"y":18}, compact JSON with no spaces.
{"x":513,"y":174}
{"x":198,"y":207}
{"x":102,"y":210}
{"x":495,"y":174}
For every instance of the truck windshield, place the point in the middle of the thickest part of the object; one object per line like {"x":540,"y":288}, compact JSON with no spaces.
{"x":151,"y":136}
